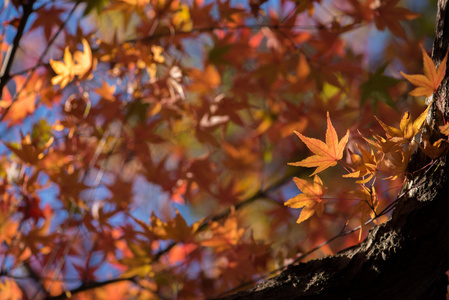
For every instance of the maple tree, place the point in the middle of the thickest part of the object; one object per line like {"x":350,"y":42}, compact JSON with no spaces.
{"x":153,"y":149}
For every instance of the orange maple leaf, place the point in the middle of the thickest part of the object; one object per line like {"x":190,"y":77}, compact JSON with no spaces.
{"x":444,"y":129}
{"x":106,"y":91}
{"x":18,"y":106}
{"x":206,"y":81}
{"x":224,"y":236}
{"x":434,"y":150}
{"x":178,"y":229}
{"x":28,"y":151}
{"x":428,"y":83}
{"x":311,"y":200}
{"x":326,"y":154}
{"x":10,"y":290}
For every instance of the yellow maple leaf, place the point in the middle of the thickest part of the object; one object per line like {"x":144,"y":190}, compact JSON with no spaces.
{"x":366,"y":207}
{"x":83,"y":60}
{"x":138,"y":265}
{"x":428,"y":83}
{"x":407,"y":128}
{"x":80,"y":64}
{"x":397,"y":162}
{"x":365,"y":165}
{"x":181,"y":18}
{"x":382,"y":144}
{"x":65,"y":70}
{"x":311,"y":200}
{"x":326,"y":154}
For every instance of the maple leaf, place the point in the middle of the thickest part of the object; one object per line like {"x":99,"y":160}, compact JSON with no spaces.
{"x":106,"y":91}
{"x":40,"y":239}
{"x":83,"y":60}
{"x":29,"y":152}
{"x":428,"y":83}
{"x":206,"y":81}
{"x":21,"y":105}
{"x":364,"y":165}
{"x":326,"y":154}
{"x":398,"y":161}
{"x":388,"y":15}
{"x":178,"y":230}
{"x":65,"y":70}
{"x":139,"y":266}
{"x":376,"y":88}
{"x":98,"y":5}
{"x":224,"y":236}
{"x":47,"y":24}
{"x":382,"y":144}
{"x":10,"y":290}
{"x":8,"y":228}
{"x":86,"y":272}
{"x":366,"y":207}
{"x":407,"y":129}
{"x":434,"y":150}
{"x":80,"y":64}
{"x":181,"y":18}
{"x":311,"y":200}
{"x":444,"y":129}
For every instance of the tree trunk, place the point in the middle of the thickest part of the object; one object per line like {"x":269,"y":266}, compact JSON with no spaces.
{"x":405,"y":258}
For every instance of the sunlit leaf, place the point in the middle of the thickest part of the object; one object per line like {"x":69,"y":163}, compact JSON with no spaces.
{"x":326,"y":154}
{"x":431,"y":80}
{"x":311,"y":200}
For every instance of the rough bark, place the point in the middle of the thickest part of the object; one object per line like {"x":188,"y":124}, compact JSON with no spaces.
{"x":405,"y":258}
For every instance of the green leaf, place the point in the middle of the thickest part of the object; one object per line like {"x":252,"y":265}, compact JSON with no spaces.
{"x":216,"y":54}
{"x":98,"y":5}
{"x":41,"y":132}
{"x":376,"y":89}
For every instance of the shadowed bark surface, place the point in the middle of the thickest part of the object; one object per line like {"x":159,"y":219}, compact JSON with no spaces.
{"x":405,"y":258}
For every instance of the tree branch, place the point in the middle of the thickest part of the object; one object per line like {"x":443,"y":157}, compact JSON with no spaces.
{"x":405,"y":258}
{"x":88,"y":286}
{"x":9,"y":59}
{"x":259,"y":195}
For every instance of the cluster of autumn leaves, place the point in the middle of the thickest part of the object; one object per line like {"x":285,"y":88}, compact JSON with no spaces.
{"x":388,"y":155}
{"x":190,"y":106}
